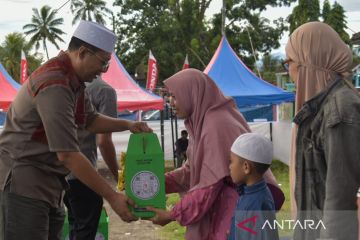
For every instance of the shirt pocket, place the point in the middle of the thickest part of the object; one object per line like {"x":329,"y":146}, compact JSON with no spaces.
{"x":315,"y":174}
{"x":80,"y":114}
{"x":80,"y":120}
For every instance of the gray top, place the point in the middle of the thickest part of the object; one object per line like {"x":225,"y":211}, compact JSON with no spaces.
{"x":103,"y":97}
{"x":328,"y":162}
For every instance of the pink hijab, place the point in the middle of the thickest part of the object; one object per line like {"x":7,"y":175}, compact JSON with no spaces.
{"x":213,"y":124}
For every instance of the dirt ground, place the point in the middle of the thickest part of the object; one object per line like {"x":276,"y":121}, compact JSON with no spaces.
{"x":119,"y":230}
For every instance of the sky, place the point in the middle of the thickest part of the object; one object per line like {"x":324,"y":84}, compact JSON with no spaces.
{"x":14,"y":14}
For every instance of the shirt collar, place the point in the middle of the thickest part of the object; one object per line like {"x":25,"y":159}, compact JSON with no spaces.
{"x":311,"y":106}
{"x":259,"y":186}
{"x":243,"y":189}
{"x":75,"y":82}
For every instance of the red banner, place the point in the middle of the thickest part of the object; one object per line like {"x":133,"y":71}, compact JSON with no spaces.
{"x":23,"y":68}
{"x":186,"y":63}
{"x":152,"y":75}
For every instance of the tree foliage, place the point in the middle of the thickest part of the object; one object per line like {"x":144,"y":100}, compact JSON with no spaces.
{"x":174,"y":28}
{"x":10,"y":55}
{"x":326,"y":10}
{"x":336,"y":19}
{"x":246,"y":23}
{"x":44,"y":27}
{"x":270,"y":66}
{"x":91,"y":10}
{"x":169,"y":28}
{"x":305,"y":11}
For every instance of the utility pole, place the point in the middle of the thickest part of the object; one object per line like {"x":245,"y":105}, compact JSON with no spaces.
{"x":253,"y":50}
{"x":223,"y":19}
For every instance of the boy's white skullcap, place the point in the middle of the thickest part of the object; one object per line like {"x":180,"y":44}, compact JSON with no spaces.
{"x":97,"y":35}
{"x":253,"y":147}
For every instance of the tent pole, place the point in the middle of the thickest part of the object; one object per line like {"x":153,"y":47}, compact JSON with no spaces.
{"x":172,"y":135}
{"x":162,"y":129}
{"x":162,"y":122}
{"x":176,"y":138}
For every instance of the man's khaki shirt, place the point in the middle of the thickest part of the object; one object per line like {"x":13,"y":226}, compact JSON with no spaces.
{"x":44,"y":119}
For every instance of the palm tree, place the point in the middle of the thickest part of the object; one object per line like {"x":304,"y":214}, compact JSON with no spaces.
{"x":89,"y":10}
{"x":44,"y":27}
{"x":10,"y":54}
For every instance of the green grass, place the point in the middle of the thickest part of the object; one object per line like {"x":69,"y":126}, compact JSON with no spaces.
{"x":172,"y":230}
{"x":281,"y":171}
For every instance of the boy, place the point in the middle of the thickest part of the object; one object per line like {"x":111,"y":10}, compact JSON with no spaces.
{"x":181,"y":147}
{"x":251,"y":156}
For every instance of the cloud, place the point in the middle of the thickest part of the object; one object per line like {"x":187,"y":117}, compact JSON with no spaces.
{"x":10,"y":26}
{"x":350,"y":5}
{"x":19,"y":1}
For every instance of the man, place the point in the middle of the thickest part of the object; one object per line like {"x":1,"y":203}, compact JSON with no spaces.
{"x":84,"y":205}
{"x":181,"y":147}
{"x":39,"y":143}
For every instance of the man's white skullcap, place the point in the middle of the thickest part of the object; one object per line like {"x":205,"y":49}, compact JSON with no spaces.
{"x":96,"y":35}
{"x":253,"y":147}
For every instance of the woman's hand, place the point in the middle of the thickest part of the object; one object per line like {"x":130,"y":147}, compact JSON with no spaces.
{"x":162,"y":217}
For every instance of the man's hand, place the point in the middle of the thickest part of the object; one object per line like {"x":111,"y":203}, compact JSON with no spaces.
{"x":136,"y":127}
{"x":119,"y":203}
{"x":162,"y":217}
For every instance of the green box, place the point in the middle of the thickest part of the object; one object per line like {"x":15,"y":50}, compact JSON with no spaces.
{"x":145,"y":173}
{"x":102,"y":231}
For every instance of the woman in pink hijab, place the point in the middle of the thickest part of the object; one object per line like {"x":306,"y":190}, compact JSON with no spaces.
{"x":327,"y":157}
{"x":213,"y":123}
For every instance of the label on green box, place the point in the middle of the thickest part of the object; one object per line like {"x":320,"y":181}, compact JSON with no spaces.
{"x":144,"y":173}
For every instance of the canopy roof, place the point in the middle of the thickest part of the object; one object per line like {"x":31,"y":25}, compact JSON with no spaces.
{"x":130,"y":96}
{"x":8,"y":89}
{"x":235,"y":79}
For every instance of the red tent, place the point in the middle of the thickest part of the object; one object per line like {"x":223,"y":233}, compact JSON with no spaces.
{"x":8,"y":89}
{"x":130,"y":96}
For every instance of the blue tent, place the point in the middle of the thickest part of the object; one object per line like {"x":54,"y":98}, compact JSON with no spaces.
{"x":238,"y":81}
